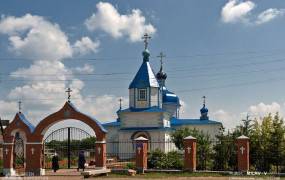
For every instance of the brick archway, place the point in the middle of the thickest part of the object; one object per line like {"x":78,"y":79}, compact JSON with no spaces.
{"x":68,"y":111}
{"x":34,"y":148}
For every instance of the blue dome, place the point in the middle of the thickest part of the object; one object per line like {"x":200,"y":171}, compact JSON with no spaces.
{"x":204,"y":110}
{"x":169,"y":97}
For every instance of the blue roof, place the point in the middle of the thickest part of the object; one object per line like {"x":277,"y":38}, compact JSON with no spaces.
{"x":144,"y":77}
{"x":145,"y":128}
{"x":180,"y":122}
{"x":169,"y":97}
{"x":25,"y":121}
{"x":115,"y":123}
{"x":150,"y":109}
{"x":97,"y":122}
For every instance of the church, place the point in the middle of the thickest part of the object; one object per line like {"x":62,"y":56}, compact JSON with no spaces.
{"x":153,"y":112}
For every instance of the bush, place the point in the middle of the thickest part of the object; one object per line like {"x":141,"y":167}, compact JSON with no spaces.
{"x":160,"y":160}
{"x":130,"y":166}
{"x":175,"y":160}
{"x":157,"y":159}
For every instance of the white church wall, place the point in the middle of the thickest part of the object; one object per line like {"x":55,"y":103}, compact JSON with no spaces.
{"x":141,"y":119}
{"x":132,"y":97}
{"x":171,"y":108}
{"x":154,"y":96}
{"x":211,"y":129}
{"x":112,"y":140}
{"x":126,"y":146}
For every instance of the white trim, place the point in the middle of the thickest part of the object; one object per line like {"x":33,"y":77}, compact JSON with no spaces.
{"x":34,"y":143}
{"x":8,"y":143}
{"x":100,"y":142}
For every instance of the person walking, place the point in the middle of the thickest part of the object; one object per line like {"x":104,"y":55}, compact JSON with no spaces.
{"x":55,"y":165}
{"x":81,"y":161}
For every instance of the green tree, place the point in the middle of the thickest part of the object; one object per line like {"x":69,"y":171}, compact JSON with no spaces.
{"x":225,"y":151}
{"x":276,"y":141}
{"x":204,"y":146}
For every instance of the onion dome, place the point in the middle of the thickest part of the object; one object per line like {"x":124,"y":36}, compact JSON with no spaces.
{"x":169,"y":97}
{"x":204,"y":111}
{"x":161,"y":75}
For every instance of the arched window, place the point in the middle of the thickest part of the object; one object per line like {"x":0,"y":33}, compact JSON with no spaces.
{"x":144,"y":134}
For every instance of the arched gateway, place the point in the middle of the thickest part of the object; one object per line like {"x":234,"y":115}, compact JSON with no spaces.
{"x":33,"y":139}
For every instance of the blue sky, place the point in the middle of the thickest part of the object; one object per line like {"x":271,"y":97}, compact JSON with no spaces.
{"x":230,"y":51}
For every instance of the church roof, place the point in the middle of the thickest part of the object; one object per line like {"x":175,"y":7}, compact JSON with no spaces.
{"x":180,"y":122}
{"x":173,"y":122}
{"x":25,"y":120}
{"x":75,"y":109}
{"x":151,"y":109}
{"x":115,"y":123}
{"x":144,"y":77}
{"x":170,"y":97}
{"x":145,"y":128}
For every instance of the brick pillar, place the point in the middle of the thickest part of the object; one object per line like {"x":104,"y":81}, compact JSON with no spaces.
{"x":100,"y":154}
{"x":141,"y":154}
{"x":34,"y":159}
{"x":8,"y":168}
{"x":189,"y":153}
{"x":243,"y":153}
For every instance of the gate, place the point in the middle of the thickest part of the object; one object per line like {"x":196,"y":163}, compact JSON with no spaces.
{"x":19,"y":155}
{"x":67,"y":143}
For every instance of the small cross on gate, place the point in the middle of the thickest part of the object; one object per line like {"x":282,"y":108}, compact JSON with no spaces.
{"x":139,"y":150}
{"x":145,"y":38}
{"x":68,"y":94}
{"x":120,"y":100}
{"x":242,"y":149}
{"x":99,"y":150}
{"x":33,"y":150}
{"x":189,"y":149}
{"x":6,"y":151}
{"x":20,"y":106}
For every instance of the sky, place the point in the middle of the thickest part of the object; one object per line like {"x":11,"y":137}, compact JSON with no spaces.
{"x":231,"y":51}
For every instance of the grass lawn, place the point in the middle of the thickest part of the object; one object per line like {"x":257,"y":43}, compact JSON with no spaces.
{"x":162,"y":175}
{"x":154,"y":175}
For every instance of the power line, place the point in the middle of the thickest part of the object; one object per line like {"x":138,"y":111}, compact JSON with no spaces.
{"x":129,"y":73}
{"x":139,"y":57}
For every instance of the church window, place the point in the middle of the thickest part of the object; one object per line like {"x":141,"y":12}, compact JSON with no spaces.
{"x":142,"y":95}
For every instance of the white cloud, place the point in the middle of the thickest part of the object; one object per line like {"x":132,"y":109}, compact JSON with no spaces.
{"x":8,"y":109}
{"x":34,"y":37}
{"x":108,"y":19}
{"x":239,"y":11}
{"x":269,"y":15}
{"x":236,"y":10}
{"x":104,"y":107}
{"x":262,"y":109}
{"x":229,"y":120}
{"x":47,"y":78}
{"x":84,"y":69}
{"x":86,"y":45}
{"x":43,"y":70}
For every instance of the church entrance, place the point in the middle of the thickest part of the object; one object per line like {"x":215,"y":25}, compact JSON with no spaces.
{"x":26,"y":149}
{"x":67,"y":143}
